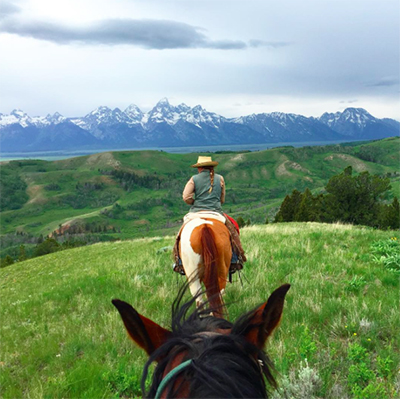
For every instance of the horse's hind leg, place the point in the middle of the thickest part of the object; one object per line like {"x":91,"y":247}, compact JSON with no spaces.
{"x":196,"y":291}
{"x":190,"y":265}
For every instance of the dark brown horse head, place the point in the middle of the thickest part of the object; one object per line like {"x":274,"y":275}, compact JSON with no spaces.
{"x":206,"y":357}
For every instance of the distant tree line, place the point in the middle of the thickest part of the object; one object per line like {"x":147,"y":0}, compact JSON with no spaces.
{"x":130,"y":180}
{"x":20,"y":246}
{"x":135,"y":210}
{"x":348,"y":199}
{"x":44,"y":246}
{"x":84,"y":228}
{"x":12,"y":189}
{"x":89,"y":194}
{"x":365,"y":152}
{"x":371,"y":154}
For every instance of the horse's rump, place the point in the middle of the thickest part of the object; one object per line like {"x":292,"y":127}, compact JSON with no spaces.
{"x":206,"y":254}
{"x":211,"y":240}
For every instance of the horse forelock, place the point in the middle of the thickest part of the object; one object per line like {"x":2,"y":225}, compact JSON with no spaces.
{"x":223,"y":364}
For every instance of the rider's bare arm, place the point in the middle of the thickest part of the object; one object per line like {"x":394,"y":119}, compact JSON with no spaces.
{"x":188,"y":192}
{"x":222,"y":190}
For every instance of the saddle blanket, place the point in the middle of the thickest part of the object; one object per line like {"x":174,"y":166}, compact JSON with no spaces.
{"x":203,"y":214}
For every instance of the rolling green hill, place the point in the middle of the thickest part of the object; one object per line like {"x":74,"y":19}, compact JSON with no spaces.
{"x":147,"y":186}
{"x":62,"y":338}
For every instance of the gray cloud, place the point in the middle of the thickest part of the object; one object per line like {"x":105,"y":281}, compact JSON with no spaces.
{"x":385,"y":82}
{"x":7,"y":8}
{"x":263,"y":43}
{"x":309,"y":55}
{"x":150,"y":34}
{"x":225,"y":44}
{"x":348,"y":102}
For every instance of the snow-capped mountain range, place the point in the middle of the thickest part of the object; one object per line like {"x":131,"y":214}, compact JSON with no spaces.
{"x":168,"y":125}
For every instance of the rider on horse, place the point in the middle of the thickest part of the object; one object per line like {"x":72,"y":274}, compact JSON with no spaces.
{"x":206,"y":192}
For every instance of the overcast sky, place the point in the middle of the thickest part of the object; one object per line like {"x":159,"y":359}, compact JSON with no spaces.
{"x":234,"y":57}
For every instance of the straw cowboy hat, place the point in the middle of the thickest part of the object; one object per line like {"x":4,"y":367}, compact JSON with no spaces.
{"x":204,"y":161}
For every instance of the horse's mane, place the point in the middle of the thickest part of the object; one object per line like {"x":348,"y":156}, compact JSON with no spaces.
{"x":223,"y":366}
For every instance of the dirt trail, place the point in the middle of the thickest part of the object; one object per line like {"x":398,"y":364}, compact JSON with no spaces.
{"x":104,"y":158}
{"x":282,"y":169}
{"x":359,"y":166}
{"x":35,"y":193}
{"x":234,"y":161}
{"x":84,"y":216}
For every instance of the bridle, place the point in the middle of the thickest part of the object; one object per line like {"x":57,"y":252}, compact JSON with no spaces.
{"x":172,"y":373}
{"x":181,"y":367}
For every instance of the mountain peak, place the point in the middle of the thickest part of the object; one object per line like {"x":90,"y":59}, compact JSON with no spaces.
{"x":132,"y":107}
{"x":99,"y":111}
{"x":356,"y":109}
{"x":183,"y":107}
{"x":163,"y":102}
{"x":134,"y":113}
{"x":18,"y":113}
{"x":175,"y":125}
{"x":349,"y":122}
{"x":102,"y":108}
{"x":357,"y":115}
{"x":359,"y":111}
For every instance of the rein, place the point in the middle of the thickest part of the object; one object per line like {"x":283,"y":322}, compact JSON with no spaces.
{"x":166,"y":380}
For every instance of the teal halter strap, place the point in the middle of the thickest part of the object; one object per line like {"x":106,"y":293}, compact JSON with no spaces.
{"x":169,"y":377}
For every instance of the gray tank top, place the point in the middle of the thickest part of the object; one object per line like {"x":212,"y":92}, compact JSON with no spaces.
{"x":203,"y":200}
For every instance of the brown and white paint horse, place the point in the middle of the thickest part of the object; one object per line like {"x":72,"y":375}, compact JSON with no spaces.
{"x":206,"y":357}
{"x":206,"y":253}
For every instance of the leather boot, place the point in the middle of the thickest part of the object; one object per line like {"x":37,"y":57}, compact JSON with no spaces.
{"x":238,"y":256}
{"x":177,"y":266}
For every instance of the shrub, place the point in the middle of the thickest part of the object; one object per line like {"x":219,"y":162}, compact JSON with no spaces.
{"x":22,"y":253}
{"x":240,"y":221}
{"x":387,"y":253}
{"x":7,"y":261}
{"x":305,"y":385}
{"x":48,"y":246}
{"x":349,"y":199}
{"x":362,"y":379}
{"x":355,"y":284}
{"x":52,"y":187}
{"x":307,"y":347}
{"x":12,"y":188}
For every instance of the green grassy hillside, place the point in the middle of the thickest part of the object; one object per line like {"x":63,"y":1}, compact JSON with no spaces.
{"x":83,"y":190}
{"x":62,"y":338}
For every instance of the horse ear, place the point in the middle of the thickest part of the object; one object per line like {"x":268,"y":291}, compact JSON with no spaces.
{"x":265,"y":318}
{"x":147,"y":334}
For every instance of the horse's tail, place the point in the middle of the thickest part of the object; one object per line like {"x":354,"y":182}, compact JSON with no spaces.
{"x":210,"y":276}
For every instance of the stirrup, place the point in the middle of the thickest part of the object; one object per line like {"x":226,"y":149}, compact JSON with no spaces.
{"x":236,"y":263}
{"x":234,"y":267}
{"x":178,"y":267}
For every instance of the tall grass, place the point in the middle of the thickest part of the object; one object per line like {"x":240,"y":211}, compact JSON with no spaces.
{"x":62,"y":338}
